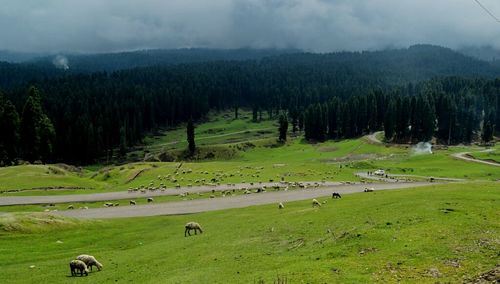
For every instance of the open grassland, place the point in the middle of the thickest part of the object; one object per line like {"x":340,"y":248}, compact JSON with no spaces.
{"x":45,"y":177}
{"x":219,"y":129}
{"x":294,"y":161}
{"x":237,"y":151}
{"x":444,"y":233}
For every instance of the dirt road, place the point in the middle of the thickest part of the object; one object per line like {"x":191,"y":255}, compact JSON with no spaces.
{"x":373,"y":137}
{"x":203,"y":205}
{"x":116,"y":195}
{"x":464,"y":156}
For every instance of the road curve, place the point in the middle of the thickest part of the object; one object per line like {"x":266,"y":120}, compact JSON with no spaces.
{"x":203,"y":205}
{"x":117,"y":195}
{"x":463,"y":156}
{"x":373,"y":137}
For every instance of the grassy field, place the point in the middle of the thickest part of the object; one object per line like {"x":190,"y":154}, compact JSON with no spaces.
{"x":450,"y":234}
{"x":256,"y":159}
{"x":444,"y":233}
{"x":219,"y":129}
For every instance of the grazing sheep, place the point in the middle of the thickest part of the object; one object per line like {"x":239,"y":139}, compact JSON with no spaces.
{"x":150,"y":199}
{"x":336,"y":195}
{"x":71,"y":206}
{"x":281,"y":206}
{"x":108,"y":204}
{"x":371,"y":189}
{"x":78,"y":265}
{"x":90,"y":261}
{"x":192,"y":226}
{"x":132,"y":202}
{"x":316,"y":203}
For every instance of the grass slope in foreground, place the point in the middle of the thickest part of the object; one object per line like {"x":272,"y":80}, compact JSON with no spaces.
{"x":444,"y":233}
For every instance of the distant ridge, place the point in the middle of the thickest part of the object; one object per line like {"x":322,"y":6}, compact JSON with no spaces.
{"x":392,"y":66}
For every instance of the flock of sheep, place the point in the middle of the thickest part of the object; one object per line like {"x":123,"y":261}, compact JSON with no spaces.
{"x":82,"y":263}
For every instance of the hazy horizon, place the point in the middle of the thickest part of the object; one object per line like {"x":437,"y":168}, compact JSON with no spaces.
{"x":310,"y":25}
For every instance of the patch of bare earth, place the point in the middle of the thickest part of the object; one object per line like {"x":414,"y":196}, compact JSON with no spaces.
{"x":492,"y":276}
{"x":327,"y":149}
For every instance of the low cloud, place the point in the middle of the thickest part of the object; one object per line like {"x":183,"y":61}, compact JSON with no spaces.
{"x":314,"y":25}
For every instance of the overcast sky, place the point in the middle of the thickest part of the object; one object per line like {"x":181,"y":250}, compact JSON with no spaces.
{"x":314,"y":25}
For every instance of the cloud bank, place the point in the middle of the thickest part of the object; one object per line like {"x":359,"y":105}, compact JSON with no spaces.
{"x":314,"y":25}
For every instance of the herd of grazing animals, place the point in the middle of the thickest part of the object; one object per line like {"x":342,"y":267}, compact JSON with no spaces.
{"x":83,"y":263}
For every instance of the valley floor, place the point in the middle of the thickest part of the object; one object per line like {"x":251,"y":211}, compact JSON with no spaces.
{"x":416,"y":232}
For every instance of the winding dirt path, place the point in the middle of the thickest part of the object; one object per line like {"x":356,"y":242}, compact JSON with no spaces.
{"x":373,"y":137}
{"x":464,"y":156}
{"x":203,"y":205}
{"x":117,"y":195}
{"x":461,"y":156}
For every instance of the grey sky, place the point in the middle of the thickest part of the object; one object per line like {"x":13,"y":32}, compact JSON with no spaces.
{"x":316,"y":25}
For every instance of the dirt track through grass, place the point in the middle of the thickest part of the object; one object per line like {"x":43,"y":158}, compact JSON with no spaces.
{"x":203,"y":205}
{"x":118,"y":195}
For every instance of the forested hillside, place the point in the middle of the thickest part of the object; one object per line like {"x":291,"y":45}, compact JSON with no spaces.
{"x":81,"y":117}
{"x":110,"y":62}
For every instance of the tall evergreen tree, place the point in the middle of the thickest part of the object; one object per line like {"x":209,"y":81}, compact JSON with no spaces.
{"x":9,"y":129}
{"x":30,"y":126}
{"x":36,"y":129}
{"x":123,"y":141}
{"x":190,"y":136}
{"x":390,"y":120}
{"x":283,"y":127}
{"x":428,"y":121}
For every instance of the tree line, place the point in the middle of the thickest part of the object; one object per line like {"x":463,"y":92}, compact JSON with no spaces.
{"x":97,"y":116}
{"x":453,"y":110}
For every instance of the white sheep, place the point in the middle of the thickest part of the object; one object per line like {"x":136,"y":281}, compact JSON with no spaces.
{"x":316,"y":203}
{"x":90,"y":261}
{"x":192,"y":226}
{"x":71,"y":206}
{"x":371,"y":189}
{"x":78,"y":265}
{"x":132,"y":202}
{"x":281,"y":206}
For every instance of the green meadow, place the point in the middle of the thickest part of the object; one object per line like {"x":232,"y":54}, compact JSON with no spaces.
{"x":449,"y":235}
{"x":445,"y":233}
